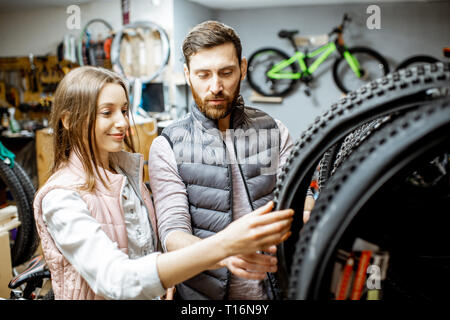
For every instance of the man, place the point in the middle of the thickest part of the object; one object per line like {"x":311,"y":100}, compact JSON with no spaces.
{"x":217,"y":164}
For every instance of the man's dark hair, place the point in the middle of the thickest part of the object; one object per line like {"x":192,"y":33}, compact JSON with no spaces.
{"x":207,"y":35}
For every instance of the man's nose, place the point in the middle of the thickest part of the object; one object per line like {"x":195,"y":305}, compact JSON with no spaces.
{"x":216,"y":85}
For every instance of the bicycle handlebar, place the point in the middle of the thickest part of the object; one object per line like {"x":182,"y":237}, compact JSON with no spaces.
{"x":340,"y":28}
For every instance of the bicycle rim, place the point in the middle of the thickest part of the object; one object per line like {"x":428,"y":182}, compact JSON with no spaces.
{"x":381,"y":164}
{"x":131,"y":63}
{"x":372,"y":66}
{"x":90,"y":50}
{"x":258,"y":66}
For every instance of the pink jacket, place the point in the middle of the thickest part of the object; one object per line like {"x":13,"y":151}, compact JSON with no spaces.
{"x":104,"y":205}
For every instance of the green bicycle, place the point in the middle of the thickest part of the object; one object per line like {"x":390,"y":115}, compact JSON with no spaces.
{"x":271,"y":72}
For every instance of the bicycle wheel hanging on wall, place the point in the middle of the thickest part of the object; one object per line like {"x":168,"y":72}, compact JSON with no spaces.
{"x":94,"y":44}
{"x":140,"y":50}
{"x":372,"y":66}
{"x":260,"y":63}
{"x":415,"y":61}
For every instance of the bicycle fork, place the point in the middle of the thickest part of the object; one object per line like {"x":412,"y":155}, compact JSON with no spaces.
{"x":353,"y":63}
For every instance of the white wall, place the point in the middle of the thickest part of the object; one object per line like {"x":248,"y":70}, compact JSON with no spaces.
{"x":186,"y":15}
{"x":40,"y":30}
{"x":406,"y":29}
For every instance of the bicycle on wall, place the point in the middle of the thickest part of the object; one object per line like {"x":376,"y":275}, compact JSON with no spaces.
{"x":271,"y":72}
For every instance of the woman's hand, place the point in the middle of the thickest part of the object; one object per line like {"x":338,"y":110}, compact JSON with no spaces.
{"x":257,"y":231}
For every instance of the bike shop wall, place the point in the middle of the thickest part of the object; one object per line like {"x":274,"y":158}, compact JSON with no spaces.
{"x":31,"y":27}
{"x":407,"y":28}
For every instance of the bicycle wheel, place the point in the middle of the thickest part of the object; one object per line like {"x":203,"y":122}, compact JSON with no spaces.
{"x":260,"y":63}
{"x":372,"y":65}
{"x":396,"y":92}
{"x":90,"y":49}
{"x":416,"y":60}
{"x":380,"y":170}
{"x":20,"y":239}
{"x":28,"y":188}
{"x":131,"y":62}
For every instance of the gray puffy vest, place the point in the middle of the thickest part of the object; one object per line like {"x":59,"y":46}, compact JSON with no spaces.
{"x":205,"y":168}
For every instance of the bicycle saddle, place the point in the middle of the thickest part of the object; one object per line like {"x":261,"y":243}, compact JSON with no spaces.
{"x":35,"y":270}
{"x":287,"y":34}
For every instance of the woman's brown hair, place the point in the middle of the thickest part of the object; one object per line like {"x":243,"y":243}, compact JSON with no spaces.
{"x":76,"y":99}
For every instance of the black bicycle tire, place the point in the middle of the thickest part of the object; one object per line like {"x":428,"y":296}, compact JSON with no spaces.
{"x":379,"y":159}
{"x":375,"y":55}
{"x":254,"y":85}
{"x":419,"y":58}
{"x":19,"y":253}
{"x":334,"y":156}
{"x":397,"y":91}
{"x":326,"y":165}
{"x":28,"y":188}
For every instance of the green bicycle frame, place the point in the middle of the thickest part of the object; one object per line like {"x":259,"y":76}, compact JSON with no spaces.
{"x":276,"y":72}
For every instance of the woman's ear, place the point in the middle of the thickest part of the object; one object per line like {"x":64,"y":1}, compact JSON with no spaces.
{"x":65,"y":120}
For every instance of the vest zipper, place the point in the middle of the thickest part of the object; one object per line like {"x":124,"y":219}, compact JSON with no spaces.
{"x":242,"y":175}
{"x":227,"y":286}
{"x":253,"y":209}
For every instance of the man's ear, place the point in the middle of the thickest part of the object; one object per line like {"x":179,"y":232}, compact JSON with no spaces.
{"x":65,"y":120}
{"x":243,"y":68}
{"x":186,"y":74}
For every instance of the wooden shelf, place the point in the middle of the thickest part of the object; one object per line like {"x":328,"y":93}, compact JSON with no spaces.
{"x":256,"y":97}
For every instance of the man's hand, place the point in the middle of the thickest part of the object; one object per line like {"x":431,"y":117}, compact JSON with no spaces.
{"x":309,"y":205}
{"x":251,"y":266}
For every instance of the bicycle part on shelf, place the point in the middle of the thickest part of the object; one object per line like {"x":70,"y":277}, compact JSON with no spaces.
{"x":378,"y":169}
{"x":372,"y":65}
{"x":416,"y":60}
{"x":260,"y":63}
{"x":135,"y":46}
{"x":90,"y":49}
{"x":395,"y":92}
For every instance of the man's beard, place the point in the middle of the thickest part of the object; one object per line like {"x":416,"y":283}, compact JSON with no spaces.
{"x":216,"y":112}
